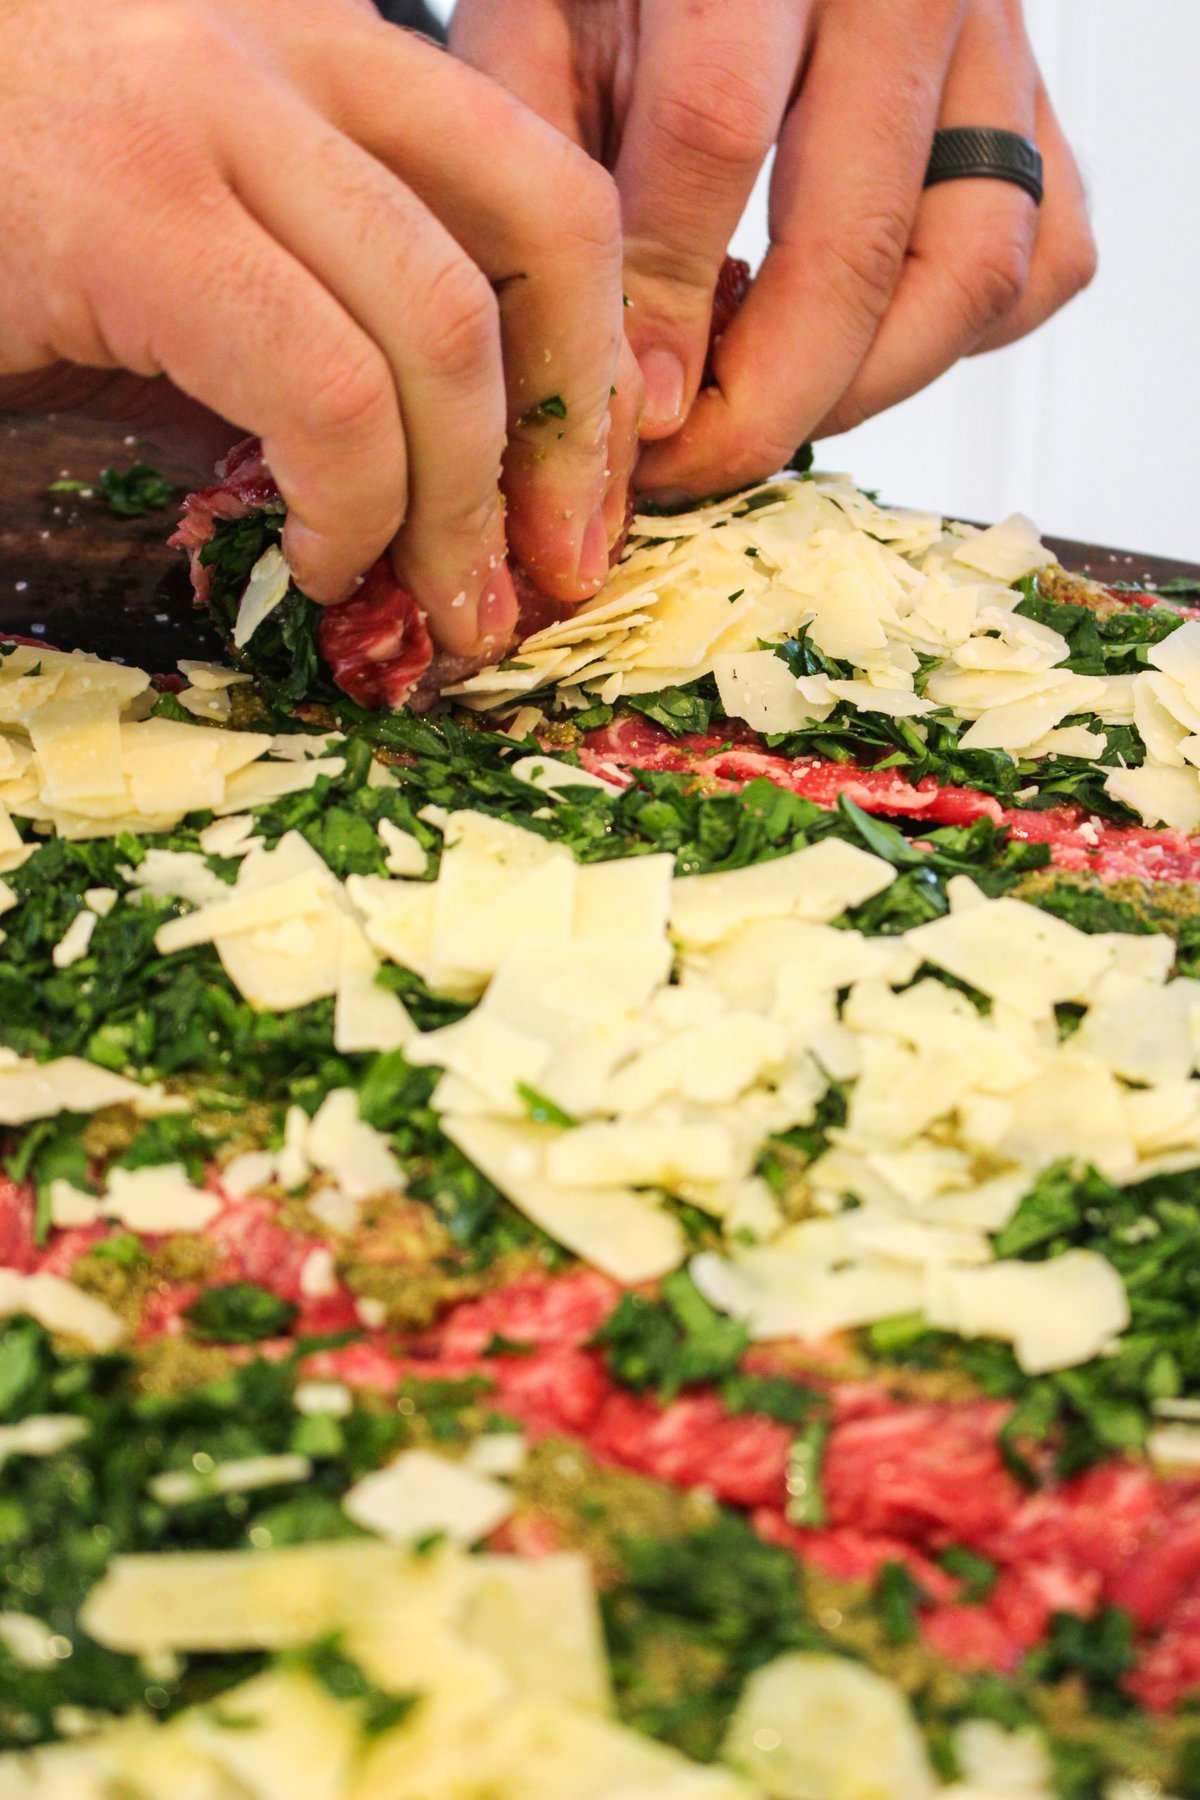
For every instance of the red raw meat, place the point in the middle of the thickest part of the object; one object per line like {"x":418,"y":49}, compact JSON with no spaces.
{"x":17,"y":1248}
{"x":694,"y":1442}
{"x":733,"y":284}
{"x":734,"y":756}
{"x":569,"y":1310}
{"x":376,"y":643}
{"x":929,"y":1474}
{"x":253,"y":1246}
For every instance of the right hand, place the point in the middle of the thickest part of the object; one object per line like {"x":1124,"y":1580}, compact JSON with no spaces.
{"x":229,"y":216}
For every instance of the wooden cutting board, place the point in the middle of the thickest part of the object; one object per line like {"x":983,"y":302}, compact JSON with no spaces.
{"x":71,"y":572}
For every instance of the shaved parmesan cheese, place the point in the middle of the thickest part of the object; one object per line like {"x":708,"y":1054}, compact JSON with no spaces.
{"x":1174,"y":1446}
{"x":78,"y":745}
{"x":420,"y":1493}
{"x":181,"y":874}
{"x":32,"y":1090}
{"x":231,"y":836}
{"x":619,"y":1154}
{"x":1006,"y":551}
{"x":621,"y":1233}
{"x":366,"y":1016}
{"x":817,"y":884}
{"x":72,"y":946}
{"x":1016,"y":726}
{"x":203,"y":704}
{"x":41,"y":1434}
{"x":865,"y":696}
{"x":1056,"y":1314}
{"x":755,"y":685}
{"x":61,"y":1307}
{"x":293,"y":1740}
{"x":810,"y":1725}
{"x":627,"y":898}
{"x":211,"y":676}
{"x":13,"y":849}
{"x":554,"y":776}
{"x":1015,"y":953}
{"x":31,"y":1643}
{"x":1161,"y":796}
{"x":267,"y":587}
{"x":350,"y":1151}
{"x":782,"y":1294}
{"x":405,"y":854}
{"x":497,"y":884}
{"x":241,"y":1475}
{"x":157,"y":1199}
{"x":265,"y":782}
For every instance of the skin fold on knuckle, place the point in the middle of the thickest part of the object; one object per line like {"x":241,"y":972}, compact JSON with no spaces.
{"x":991,"y":283}
{"x":459,"y":323}
{"x":861,"y":265}
{"x":715,"y":118}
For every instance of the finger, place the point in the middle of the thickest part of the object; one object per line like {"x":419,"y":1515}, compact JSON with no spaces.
{"x":538,"y":63}
{"x":844,"y":195}
{"x":543,"y":222}
{"x":706,"y":107}
{"x":243,"y":328}
{"x":623,"y":447}
{"x":431,"y":319}
{"x":1064,"y":254}
{"x":969,"y":261}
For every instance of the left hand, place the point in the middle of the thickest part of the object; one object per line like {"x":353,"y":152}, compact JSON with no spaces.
{"x":872,"y":286}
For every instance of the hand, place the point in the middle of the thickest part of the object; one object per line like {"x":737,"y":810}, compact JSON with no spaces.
{"x":231,"y":216}
{"x":871,"y":286}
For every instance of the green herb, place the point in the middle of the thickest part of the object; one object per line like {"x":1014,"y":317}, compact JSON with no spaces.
{"x":690,"y":1618}
{"x":123,"y":1248}
{"x":806,"y":1500}
{"x":239,"y":1313}
{"x":344,"y":1679}
{"x":672,"y":1343}
{"x":898,"y":1597}
{"x":801,"y":460}
{"x":499,"y":1345}
{"x":542,"y":1110}
{"x":554,"y":407}
{"x":50,"y":1150}
{"x":977,"y":1575}
{"x":1101,"y":1649}
{"x":133,"y":492}
{"x":677,"y":710}
{"x":772,"y":1396}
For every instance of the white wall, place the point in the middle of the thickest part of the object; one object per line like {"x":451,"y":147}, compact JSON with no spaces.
{"x":1092,"y":425}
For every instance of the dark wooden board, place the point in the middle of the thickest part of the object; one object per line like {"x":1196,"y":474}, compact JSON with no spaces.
{"x":74,"y":574}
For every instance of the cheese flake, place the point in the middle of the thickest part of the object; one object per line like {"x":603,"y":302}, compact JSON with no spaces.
{"x":420,"y":1493}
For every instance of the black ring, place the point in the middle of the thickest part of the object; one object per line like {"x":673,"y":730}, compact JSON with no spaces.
{"x":974,"y":151}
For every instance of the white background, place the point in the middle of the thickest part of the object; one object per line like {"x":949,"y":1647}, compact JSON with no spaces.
{"x":1093,"y":424}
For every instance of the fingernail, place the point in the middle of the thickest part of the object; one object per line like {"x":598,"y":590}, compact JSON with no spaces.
{"x":305,"y":550}
{"x":593,"y":553}
{"x":664,"y":377}
{"x":497,"y":611}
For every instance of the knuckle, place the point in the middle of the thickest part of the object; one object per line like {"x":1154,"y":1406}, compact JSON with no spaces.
{"x":586,"y":198}
{"x":350,"y":395}
{"x":994,"y":281}
{"x":1076,"y":262}
{"x":760,"y":453}
{"x":719,"y":116}
{"x":462,"y":321}
{"x":864,"y":263}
